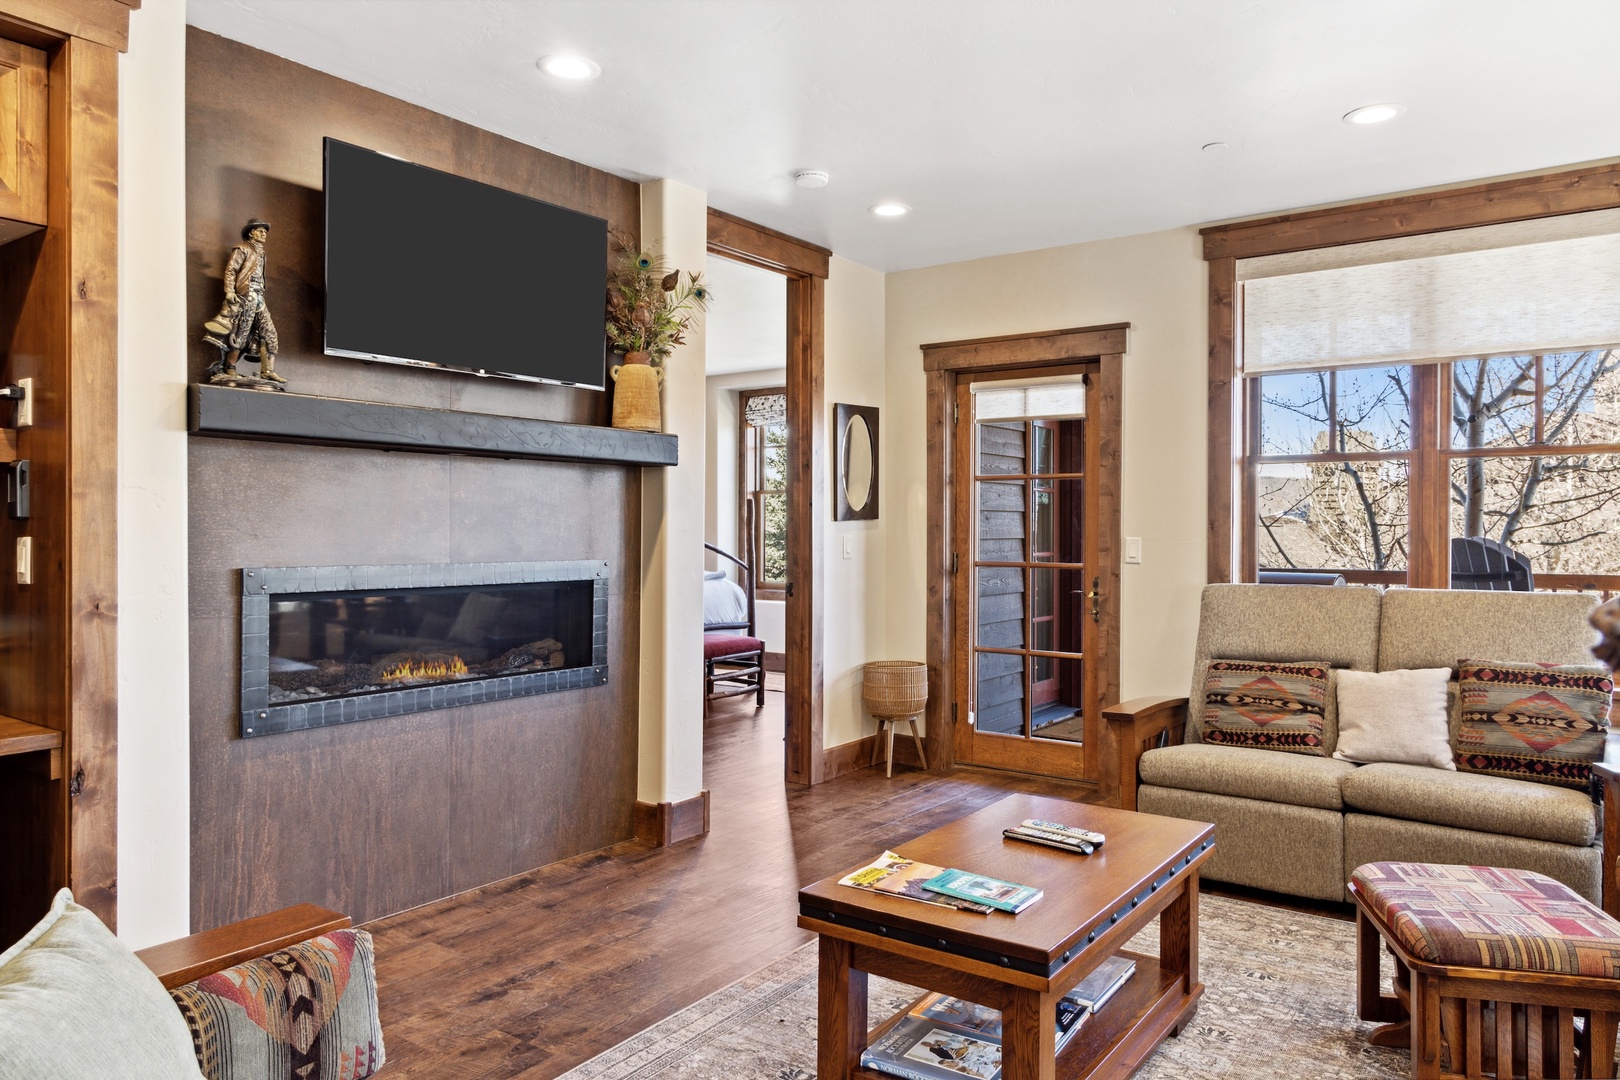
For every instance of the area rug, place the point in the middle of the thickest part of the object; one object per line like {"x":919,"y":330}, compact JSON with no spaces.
{"x":1279,"y":1002}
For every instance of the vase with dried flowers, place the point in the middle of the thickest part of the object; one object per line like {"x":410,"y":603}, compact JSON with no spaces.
{"x":649,"y":308}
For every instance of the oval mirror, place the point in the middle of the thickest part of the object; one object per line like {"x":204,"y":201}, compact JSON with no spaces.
{"x":857,"y":463}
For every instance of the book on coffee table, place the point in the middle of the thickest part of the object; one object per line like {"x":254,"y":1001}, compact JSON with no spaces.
{"x":1001,"y":895}
{"x":897,"y":875}
{"x":1103,"y":982}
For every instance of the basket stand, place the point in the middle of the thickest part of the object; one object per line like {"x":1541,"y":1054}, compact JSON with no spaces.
{"x":895,"y":690}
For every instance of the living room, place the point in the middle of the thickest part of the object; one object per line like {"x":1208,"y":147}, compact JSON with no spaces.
{"x":192,"y":824}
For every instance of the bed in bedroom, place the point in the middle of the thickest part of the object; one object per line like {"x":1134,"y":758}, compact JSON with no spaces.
{"x":733,"y":657}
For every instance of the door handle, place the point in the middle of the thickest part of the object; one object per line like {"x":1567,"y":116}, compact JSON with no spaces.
{"x":1094,"y":594}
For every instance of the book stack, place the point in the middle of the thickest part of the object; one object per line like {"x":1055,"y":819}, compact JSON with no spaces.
{"x":897,"y":875}
{"x":1055,"y":835}
{"x":947,"y":1038}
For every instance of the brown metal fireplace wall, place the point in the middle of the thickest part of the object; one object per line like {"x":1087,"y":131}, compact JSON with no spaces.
{"x":265,"y":711}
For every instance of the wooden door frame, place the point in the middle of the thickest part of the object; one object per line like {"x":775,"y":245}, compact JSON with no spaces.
{"x":1230,"y":555}
{"x":805,"y":267}
{"x":943,"y":364}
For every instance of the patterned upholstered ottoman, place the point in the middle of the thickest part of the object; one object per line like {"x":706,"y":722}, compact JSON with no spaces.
{"x":1492,"y":966}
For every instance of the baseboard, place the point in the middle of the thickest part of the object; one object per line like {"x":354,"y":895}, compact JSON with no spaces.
{"x":857,"y":754}
{"x":775,"y":661}
{"x":663,"y":824}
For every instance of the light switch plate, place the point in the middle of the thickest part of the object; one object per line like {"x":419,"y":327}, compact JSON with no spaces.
{"x":1133,"y":549}
{"x":849,"y":546}
{"x":25,"y":560}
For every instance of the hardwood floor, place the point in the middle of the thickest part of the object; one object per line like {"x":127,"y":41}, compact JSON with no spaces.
{"x":533,"y":975}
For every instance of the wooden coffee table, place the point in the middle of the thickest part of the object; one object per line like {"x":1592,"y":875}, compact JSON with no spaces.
{"x":1022,"y":964}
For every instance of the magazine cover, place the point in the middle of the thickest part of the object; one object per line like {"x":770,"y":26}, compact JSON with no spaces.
{"x":985,"y":1021}
{"x":900,"y":876}
{"x":1095,"y":989}
{"x":1004,"y":895}
{"x":919,"y":1049}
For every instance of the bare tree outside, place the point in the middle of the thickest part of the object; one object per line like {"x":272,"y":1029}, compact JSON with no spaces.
{"x":1560,"y":507}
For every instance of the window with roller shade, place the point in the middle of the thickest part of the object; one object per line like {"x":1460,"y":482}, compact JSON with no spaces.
{"x":1414,"y":391}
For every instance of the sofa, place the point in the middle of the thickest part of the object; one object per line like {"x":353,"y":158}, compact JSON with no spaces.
{"x":1298,"y":823}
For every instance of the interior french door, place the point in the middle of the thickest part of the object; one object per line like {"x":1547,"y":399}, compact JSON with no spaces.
{"x":1029,"y":613}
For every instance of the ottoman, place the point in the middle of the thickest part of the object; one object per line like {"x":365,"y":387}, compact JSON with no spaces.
{"x":1498,"y":972}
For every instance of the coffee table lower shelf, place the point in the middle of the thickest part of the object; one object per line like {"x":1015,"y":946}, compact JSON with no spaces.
{"x":1115,"y":1040}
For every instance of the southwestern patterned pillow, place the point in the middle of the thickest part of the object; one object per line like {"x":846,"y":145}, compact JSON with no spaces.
{"x":1265,"y":705}
{"x":308,"y":1012}
{"x":1543,"y":722}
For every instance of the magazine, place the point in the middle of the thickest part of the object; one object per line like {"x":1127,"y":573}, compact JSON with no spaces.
{"x":1105,"y":979}
{"x":900,"y":876}
{"x":946,"y":1038}
{"x":1002,"y":895}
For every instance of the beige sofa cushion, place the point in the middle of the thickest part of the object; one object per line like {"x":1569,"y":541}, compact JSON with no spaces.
{"x":1488,"y":804}
{"x":1425,"y":628}
{"x":1289,"y":623}
{"x":1244,"y":773}
{"x":1397,"y":716}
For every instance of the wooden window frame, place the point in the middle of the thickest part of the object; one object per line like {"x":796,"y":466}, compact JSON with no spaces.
{"x":1230,"y":547}
{"x":750,"y":466}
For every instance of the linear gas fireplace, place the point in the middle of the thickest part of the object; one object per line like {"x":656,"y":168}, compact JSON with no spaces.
{"x":334,"y":644}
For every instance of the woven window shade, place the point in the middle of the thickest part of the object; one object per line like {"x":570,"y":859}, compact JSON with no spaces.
{"x":766,"y":409}
{"x":1528,"y":287}
{"x":1055,"y":398}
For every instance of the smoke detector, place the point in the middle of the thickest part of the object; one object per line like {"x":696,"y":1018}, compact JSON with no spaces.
{"x":811,"y":178}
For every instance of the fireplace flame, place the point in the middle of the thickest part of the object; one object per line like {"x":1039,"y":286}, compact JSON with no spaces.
{"x":432,"y":669}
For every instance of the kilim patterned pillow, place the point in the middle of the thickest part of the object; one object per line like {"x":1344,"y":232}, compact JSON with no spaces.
{"x":1265,"y":705}
{"x":1543,"y":722}
{"x":308,"y":1012}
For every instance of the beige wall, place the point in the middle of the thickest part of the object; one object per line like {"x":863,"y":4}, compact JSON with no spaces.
{"x":854,"y":589}
{"x":154,"y":748}
{"x":1155,"y":282}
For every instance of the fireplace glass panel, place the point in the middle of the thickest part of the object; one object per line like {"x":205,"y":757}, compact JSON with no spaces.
{"x":343,"y":644}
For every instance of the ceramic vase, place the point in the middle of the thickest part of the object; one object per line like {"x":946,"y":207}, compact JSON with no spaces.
{"x":635,"y":393}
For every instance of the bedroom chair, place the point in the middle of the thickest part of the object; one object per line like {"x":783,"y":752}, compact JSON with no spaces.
{"x":733,"y":657}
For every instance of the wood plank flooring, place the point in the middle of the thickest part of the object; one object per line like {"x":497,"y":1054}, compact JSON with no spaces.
{"x":533,"y":975}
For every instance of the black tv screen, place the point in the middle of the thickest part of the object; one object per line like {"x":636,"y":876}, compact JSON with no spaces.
{"x":436,"y":270}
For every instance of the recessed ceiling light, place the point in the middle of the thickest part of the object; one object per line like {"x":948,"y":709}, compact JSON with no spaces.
{"x":568,"y":66}
{"x":891,"y":209}
{"x":1214,"y":147}
{"x":811,"y":178}
{"x":1374,"y":114}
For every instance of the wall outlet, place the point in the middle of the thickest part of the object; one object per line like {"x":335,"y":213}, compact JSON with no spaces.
{"x":25,"y":407}
{"x":849,"y":546}
{"x":25,"y":560}
{"x":1133,"y":549}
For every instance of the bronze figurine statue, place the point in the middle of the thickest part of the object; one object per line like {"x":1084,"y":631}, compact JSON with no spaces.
{"x":243,"y":329}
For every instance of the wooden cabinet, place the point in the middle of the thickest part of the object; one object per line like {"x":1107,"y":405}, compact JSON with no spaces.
{"x":22,"y":133}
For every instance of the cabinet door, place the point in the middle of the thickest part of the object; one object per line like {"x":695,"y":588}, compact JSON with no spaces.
{"x":22,"y":133}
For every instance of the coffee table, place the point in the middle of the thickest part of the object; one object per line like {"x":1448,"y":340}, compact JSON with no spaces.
{"x":1022,"y":964}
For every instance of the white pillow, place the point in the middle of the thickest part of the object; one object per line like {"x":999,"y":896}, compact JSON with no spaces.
{"x":76,"y":1003}
{"x":1397,"y":716}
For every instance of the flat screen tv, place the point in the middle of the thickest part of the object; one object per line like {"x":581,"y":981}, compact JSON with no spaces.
{"x":439,"y":271}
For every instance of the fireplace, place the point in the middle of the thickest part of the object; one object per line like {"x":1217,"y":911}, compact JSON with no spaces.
{"x":328,"y":645}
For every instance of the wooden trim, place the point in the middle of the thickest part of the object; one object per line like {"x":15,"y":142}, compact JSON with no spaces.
{"x":21,"y":737}
{"x":663,"y":824}
{"x":188,"y":959}
{"x":1222,"y":410}
{"x":775,"y":661}
{"x":1567,"y":191}
{"x":807,"y":527}
{"x":944,"y":671}
{"x":1428,"y":553}
{"x":806,"y":268}
{"x":1106,"y":543}
{"x":765,"y":248}
{"x":849,"y":757}
{"x":1040,"y":349}
{"x":103,"y":22}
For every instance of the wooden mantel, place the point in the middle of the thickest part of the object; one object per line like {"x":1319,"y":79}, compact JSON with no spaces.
{"x":233,"y":413}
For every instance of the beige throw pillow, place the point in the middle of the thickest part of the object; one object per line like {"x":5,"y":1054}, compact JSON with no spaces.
{"x":75,"y":1003}
{"x":1397,"y":716}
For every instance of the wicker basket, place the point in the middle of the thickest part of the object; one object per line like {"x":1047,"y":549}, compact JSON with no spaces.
{"x":895,"y":688}
{"x":635,"y":394}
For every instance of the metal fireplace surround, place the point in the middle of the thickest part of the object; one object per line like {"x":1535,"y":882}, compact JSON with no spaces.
{"x":261,"y":585}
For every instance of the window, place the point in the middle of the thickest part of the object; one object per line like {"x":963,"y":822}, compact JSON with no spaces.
{"x":1518,"y":451}
{"x":764,"y":445}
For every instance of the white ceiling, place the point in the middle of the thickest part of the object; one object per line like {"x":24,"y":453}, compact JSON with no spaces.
{"x":746,"y":329}
{"x":1008,"y":125}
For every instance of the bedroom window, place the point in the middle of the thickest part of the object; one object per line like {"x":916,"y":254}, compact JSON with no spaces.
{"x":764,"y":443}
